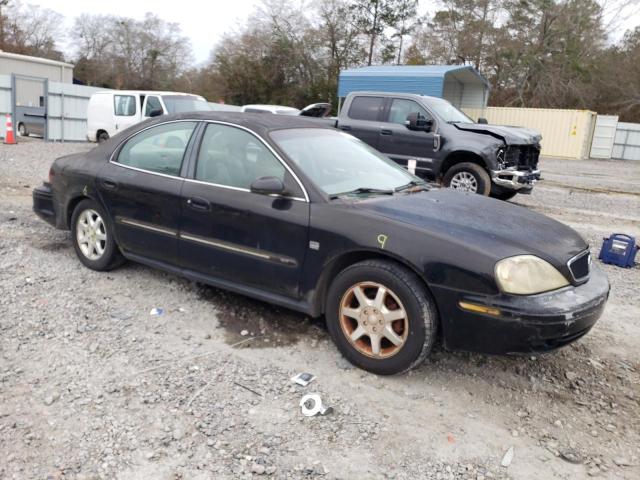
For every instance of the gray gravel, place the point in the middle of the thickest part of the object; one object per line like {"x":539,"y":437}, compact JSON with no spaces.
{"x":92,"y":386}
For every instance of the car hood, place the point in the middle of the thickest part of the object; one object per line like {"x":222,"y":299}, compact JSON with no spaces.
{"x":509,"y":135}
{"x":493,"y":227}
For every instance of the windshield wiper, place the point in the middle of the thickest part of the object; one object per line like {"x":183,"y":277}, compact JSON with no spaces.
{"x":412,"y":183}
{"x":355,"y":191}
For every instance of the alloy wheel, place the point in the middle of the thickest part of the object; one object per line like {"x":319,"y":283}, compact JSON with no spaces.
{"x":373,"y":320}
{"x":464,"y":181}
{"x":91,"y":234}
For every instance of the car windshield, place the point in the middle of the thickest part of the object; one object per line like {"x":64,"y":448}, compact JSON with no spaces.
{"x":341,"y":164}
{"x":447,"y":112}
{"x":185,"y":103}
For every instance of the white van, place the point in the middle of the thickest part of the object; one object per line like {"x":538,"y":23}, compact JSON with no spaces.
{"x":111,"y":112}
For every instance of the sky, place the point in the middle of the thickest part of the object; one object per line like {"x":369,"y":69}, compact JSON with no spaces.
{"x":204,"y":21}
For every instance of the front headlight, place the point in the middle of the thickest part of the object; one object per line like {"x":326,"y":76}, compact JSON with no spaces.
{"x":527,"y":275}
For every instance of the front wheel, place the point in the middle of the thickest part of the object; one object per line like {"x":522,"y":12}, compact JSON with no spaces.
{"x":381,"y":317}
{"x":102,"y":136}
{"x":92,"y":238}
{"x":22,"y":130}
{"x":468,"y":177}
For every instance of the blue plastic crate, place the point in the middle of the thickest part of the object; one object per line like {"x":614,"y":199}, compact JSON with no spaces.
{"x":619,"y":249}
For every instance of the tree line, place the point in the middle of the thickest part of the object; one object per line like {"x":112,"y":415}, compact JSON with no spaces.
{"x":534,"y":53}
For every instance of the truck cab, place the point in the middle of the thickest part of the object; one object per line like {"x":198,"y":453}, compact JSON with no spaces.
{"x":436,"y":141}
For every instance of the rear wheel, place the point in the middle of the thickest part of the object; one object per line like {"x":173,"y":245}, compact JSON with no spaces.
{"x":102,"y":136}
{"x":22,"y":130}
{"x":92,"y":237}
{"x":381,"y":317}
{"x":468,"y":177}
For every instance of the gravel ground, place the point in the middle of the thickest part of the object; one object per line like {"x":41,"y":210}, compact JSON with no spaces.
{"x":93,"y":386}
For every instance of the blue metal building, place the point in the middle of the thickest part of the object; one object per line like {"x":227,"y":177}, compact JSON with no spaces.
{"x":461,"y":85}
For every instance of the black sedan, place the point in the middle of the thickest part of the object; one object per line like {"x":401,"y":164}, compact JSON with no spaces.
{"x":303,"y":216}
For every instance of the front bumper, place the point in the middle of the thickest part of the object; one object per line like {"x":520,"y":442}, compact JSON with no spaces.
{"x":513,"y":179}
{"x":44,"y":204}
{"x":527,"y":323}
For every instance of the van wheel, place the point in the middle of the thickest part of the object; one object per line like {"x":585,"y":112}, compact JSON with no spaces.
{"x":381,"y":317}
{"x":102,"y":136}
{"x":22,"y":130}
{"x":468,"y":177}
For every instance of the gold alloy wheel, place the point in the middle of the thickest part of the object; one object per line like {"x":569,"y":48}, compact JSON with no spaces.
{"x":373,"y":320}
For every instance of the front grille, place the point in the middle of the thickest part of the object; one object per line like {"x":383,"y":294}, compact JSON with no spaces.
{"x":580,"y":265}
{"x":524,"y":157}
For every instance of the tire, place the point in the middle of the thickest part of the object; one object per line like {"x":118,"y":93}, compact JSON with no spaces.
{"x":406,"y":299}
{"x":502,"y":193}
{"x":102,"y":136}
{"x":94,"y":253}
{"x":22,"y":130}
{"x":469,"y":175}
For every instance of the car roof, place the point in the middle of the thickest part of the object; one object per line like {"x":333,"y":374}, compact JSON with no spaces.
{"x":258,"y":122}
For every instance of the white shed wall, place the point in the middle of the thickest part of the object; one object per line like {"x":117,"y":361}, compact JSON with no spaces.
{"x":55,"y":73}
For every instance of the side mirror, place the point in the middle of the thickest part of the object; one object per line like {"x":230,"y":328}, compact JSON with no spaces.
{"x":416,"y":121}
{"x":267,"y":186}
{"x":483,"y":121}
{"x":155,"y":113}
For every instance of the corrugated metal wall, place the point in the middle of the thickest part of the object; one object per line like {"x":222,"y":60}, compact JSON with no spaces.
{"x":421,"y":85}
{"x":565,"y":133}
{"x":5,"y":101}
{"x":67,"y":111}
{"x":22,"y":65}
{"x":604,"y":134}
{"x":626,"y":145}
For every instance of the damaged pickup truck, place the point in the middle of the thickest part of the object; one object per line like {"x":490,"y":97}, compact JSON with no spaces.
{"x":436,"y":141}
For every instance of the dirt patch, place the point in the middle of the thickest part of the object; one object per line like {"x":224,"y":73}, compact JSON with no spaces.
{"x":240,"y":317}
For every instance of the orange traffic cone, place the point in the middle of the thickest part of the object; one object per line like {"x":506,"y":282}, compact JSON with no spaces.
{"x":9,"y":138}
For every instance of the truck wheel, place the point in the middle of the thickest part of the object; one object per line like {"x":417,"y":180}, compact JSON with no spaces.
{"x":381,"y":317}
{"x":468,"y":177}
{"x":22,"y":130}
{"x":102,"y":136}
{"x":502,"y":193}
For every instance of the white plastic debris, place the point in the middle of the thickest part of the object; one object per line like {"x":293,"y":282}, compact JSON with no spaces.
{"x":303,"y":378}
{"x":311,"y":405}
{"x":156,"y":312}
{"x":508,"y":457}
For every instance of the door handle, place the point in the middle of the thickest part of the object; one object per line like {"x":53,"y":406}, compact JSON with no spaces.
{"x":386,"y":131}
{"x":199,"y":204}
{"x":109,"y":184}
{"x":345,"y":127}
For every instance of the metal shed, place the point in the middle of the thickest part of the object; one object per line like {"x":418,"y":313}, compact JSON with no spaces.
{"x":461,"y":85}
{"x":30,"y":80}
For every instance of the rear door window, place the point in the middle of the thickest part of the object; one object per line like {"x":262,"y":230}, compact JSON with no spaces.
{"x":124,"y":105}
{"x":366,"y":108}
{"x":158,"y":149}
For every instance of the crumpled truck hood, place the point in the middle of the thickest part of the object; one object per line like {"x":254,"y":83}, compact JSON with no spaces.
{"x":509,"y":135}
